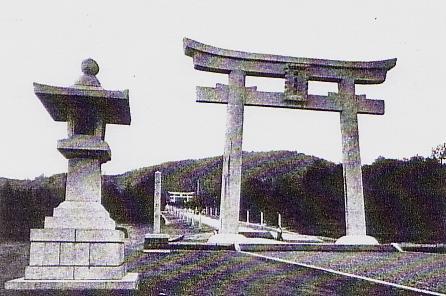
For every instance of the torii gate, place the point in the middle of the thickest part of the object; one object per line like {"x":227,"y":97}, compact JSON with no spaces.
{"x":297,"y":72}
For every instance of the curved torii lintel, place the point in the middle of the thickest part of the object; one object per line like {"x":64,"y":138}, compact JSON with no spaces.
{"x":214,"y":59}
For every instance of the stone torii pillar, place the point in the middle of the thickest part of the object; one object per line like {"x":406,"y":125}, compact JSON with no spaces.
{"x":352,"y":170}
{"x":232,"y":157}
{"x":79,"y":247}
{"x":296,"y":72}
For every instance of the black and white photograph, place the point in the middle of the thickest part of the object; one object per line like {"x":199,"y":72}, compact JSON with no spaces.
{"x":222,"y":147}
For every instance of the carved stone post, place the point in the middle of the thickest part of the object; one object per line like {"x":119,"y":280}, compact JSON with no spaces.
{"x":351,"y":159}
{"x":157,"y":204}
{"x":232,"y":158}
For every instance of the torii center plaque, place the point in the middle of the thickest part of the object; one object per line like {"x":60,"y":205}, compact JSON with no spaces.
{"x":296,"y":72}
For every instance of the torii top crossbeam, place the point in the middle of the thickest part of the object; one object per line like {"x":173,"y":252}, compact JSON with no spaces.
{"x":296,"y":71}
{"x":214,"y":59}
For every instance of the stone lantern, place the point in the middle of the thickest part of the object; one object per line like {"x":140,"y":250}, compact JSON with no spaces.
{"x":79,"y":247}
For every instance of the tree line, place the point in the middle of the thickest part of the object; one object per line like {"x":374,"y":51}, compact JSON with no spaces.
{"x":404,"y":199}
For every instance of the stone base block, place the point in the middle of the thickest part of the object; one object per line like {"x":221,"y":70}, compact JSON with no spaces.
{"x":128,"y":282}
{"x":49,"y":272}
{"x":99,"y":272}
{"x":76,"y":254}
{"x":80,"y":222}
{"x":80,"y":209}
{"x":227,"y":238}
{"x":101,"y":235}
{"x":357,"y":240}
{"x":44,"y":253}
{"x":76,"y":235}
{"x":53,"y":251}
{"x":75,"y":272}
{"x":53,"y":235}
{"x":106,"y":254}
{"x":258,"y":234}
{"x":156,"y":241}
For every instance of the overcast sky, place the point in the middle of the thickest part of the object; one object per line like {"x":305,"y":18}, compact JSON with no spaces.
{"x":138,"y":45}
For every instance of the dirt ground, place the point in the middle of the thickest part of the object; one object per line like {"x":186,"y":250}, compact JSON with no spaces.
{"x":233,"y":273}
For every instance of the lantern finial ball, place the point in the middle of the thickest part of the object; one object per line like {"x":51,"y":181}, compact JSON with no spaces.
{"x":90,"y":67}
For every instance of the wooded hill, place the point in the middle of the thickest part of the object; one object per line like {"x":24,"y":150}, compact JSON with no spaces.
{"x":405,"y":199}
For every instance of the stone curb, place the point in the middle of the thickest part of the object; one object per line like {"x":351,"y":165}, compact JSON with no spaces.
{"x":317,"y":247}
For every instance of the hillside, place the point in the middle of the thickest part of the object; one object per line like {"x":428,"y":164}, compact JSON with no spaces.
{"x":136,"y":187}
{"x":405,"y":199}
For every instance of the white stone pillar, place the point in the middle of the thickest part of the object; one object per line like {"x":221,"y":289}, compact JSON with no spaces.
{"x":261,"y":218}
{"x":279,"y":220}
{"x":232,"y":158}
{"x":157,"y":204}
{"x":156,"y":239}
{"x":247,"y":216}
{"x":351,"y":159}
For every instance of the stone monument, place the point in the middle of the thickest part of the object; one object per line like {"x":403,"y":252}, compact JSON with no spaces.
{"x":156,"y":239}
{"x":296,"y":72}
{"x":157,"y":204}
{"x":79,"y":247}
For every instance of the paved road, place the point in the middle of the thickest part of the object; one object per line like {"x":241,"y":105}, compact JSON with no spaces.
{"x":232,"y":273}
